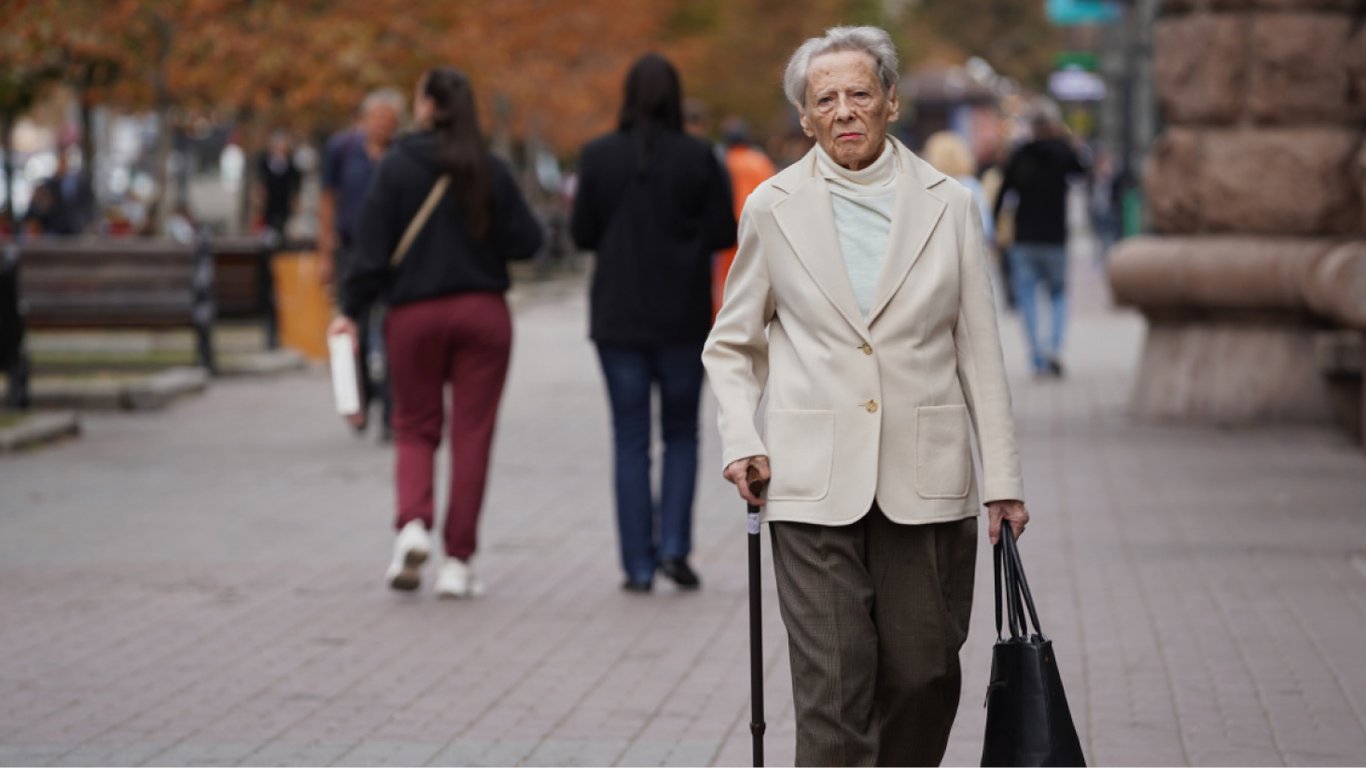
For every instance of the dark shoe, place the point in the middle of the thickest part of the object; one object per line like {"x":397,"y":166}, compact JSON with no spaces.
{"x":637,"y":587}
{"x":680,"y":573}
{"x":1055,"y":368}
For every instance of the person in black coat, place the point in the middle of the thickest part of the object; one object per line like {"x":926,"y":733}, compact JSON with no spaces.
{"x":278,"y":180}
{"x":65,"y":203}
{"x":654,"y":204}
{"x":448,"y":320}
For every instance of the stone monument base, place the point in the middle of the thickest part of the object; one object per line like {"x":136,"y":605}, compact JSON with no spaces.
{"x":1230,"y":372}
{"x":1248,"y":329}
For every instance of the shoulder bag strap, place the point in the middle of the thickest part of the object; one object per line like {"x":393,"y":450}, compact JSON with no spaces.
{"x":423,"y":213}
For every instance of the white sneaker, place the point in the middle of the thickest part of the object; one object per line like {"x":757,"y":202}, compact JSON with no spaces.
{"x":455,"y":579}
{"x":411,"y":548}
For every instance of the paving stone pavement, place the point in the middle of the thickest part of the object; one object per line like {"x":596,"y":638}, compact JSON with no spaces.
{"x":202,"y":586}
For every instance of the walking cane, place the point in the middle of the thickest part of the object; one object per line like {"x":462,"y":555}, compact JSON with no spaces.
{"x":756,"y":632}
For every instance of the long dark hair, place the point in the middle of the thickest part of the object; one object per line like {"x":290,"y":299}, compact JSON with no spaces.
{"x":460,"y":145}
{"x":652,"y":104}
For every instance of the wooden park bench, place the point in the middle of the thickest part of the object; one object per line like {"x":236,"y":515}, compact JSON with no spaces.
{"x":111,"y":283}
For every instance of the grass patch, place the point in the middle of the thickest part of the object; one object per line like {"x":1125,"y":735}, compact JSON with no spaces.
{"x":8,"y":420}
{"x":122,"y":361}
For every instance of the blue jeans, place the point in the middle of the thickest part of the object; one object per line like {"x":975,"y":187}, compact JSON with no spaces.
{"x":648,"y":531}
{"x":1032,"y":264}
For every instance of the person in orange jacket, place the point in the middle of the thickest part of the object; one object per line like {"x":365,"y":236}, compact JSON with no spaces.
{"x":748,"y":167}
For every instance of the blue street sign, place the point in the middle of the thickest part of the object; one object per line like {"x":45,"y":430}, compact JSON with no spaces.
{"x":1068,"y":13}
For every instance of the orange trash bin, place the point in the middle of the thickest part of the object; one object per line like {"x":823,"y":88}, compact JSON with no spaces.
{"x":303,"y":306}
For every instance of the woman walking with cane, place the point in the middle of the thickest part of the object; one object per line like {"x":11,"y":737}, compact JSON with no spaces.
{"x":859,"y":311}
{"x":448,"y":324}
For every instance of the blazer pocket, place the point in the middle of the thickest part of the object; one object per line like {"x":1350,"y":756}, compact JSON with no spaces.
{"x":943,"y":452}
{"x":801,"y":448}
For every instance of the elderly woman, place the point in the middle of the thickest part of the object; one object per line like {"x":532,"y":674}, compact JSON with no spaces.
{"x":859,"y":309}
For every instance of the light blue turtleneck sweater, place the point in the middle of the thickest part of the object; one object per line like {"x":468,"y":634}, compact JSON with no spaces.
{"x":863,"y":201}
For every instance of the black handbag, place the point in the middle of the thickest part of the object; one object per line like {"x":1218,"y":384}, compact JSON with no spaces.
{"x":1028,"y":722}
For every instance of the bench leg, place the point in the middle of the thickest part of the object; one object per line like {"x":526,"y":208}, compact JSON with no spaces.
{"x":17,"y":394}
{"x":203,"y":337}
{"x":266,"y":287}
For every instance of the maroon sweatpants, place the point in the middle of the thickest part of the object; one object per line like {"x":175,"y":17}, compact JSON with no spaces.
{"x":463,"y":340}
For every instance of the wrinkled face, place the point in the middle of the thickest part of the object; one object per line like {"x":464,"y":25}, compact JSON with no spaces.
{"x":847,"y":111}
{"x":379,"y":122}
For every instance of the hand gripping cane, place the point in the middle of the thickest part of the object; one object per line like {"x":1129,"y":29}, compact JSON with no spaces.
{"x":756,"y":632}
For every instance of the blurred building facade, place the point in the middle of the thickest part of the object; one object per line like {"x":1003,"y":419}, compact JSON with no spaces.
{"x":1254,"y":283}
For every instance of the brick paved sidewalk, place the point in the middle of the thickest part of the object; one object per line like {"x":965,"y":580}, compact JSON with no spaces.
{"x":203,"y":586}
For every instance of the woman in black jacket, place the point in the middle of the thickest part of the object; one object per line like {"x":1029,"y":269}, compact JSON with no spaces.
{"x":654,"y":204}
{"x":448,"y":321}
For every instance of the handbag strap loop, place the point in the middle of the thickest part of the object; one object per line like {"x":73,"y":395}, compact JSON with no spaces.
{"x":997,"y":583}
{"x":1020,"y":587}
{"x":1007,"y":586}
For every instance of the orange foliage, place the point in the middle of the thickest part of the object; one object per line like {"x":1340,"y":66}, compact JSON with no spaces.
{"x":545,"y":69}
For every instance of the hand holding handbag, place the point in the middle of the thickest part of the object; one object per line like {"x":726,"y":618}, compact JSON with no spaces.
{"x":1028,"y":721}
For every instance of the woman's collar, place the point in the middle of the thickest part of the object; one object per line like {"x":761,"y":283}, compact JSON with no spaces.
{"x":881,"y":172}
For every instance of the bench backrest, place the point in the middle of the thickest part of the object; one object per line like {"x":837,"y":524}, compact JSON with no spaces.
{"x":81,"y":283}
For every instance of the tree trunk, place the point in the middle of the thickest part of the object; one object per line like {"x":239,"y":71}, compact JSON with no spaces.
{"x":161,"y":160}
{"x":6,"y":142}
{"x":252,"y":142}
{"x":87,"y":136}
{"x":161,"y":213}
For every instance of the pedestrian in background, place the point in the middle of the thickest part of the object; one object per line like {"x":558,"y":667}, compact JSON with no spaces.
{"x":951,"y":156}
{"x":748,"y":167}
{"x":1038,"y":174}
{"x":349,"y":163}
{"x":859,"y":312}
{"x":1003,"y":222}
{"x":1105,"y":202}
{"x":64,"y":203}
{"x":654,"y":204}
{"x":277,"y":184}
{"x":448,"y":321}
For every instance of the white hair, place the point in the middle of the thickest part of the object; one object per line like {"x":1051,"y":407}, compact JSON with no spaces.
{"x":386,"y":97}
{"x":873,"y":41}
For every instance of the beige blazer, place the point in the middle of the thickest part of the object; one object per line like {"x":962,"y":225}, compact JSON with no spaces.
{"x":857,"y":410}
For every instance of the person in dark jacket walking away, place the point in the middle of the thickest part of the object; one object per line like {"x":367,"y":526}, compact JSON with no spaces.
{"x":349,"y":163}
{"x":278,"y":180}
{"x":448,"y":320}
{"x":1038,"y":174}
{"x":654,"y":204}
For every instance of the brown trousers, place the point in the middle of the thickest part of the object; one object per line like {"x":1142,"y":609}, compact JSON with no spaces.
{"x":876,"y":613}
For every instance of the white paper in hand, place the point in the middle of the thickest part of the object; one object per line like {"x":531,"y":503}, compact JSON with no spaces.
{"x":345,"y":378}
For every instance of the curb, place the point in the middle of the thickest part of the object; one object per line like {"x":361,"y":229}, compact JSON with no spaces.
{"x":146,"y":393}
{"x":269,"y":363}
{"x":39,"y":428}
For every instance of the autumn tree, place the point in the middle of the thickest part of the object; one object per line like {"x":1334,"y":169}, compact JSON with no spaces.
{"x":1015,"y":37}
{"x":733,"y":52}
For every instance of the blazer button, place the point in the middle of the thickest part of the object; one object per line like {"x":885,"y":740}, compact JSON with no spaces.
{"x":871,"y":406}
{"x":867,"y":348}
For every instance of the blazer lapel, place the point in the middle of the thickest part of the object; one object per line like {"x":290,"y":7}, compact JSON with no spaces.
{"x":914,"y":217}
{"x":808,"y":221}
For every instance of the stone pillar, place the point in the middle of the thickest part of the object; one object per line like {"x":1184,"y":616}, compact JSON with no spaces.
{"x":1257,"y":195}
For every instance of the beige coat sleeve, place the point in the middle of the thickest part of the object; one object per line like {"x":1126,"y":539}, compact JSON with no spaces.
{"x":736,"y":353}
{"x":981,"y":369}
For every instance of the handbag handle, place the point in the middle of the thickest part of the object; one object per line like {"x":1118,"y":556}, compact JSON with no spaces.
{"x":1020,"y":587}
{"x":1005,"y":582}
